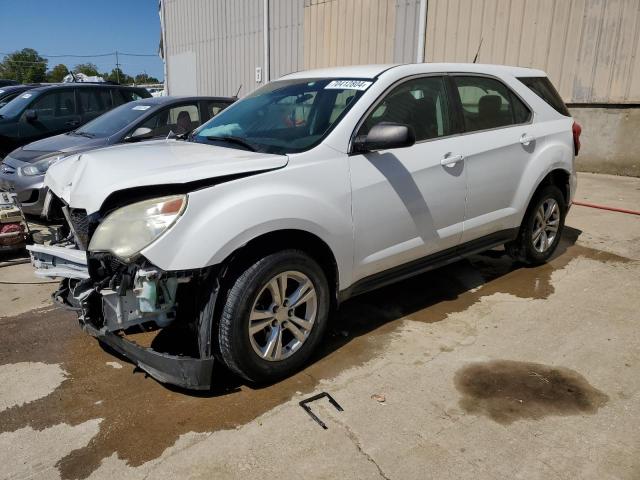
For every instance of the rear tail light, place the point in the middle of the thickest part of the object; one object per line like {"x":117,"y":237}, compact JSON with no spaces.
{"x":577,"y":130}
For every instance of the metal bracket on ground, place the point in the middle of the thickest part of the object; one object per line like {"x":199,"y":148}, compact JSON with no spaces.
{"x":307,"y":408}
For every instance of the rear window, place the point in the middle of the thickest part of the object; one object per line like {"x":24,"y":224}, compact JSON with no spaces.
{"x":543,"y":87}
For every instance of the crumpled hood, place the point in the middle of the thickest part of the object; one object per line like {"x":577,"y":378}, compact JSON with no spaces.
{"x":64,"y":144}
{"x":86,"y":180}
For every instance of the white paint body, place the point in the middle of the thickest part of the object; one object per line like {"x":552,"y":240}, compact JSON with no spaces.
{"x":374,"y":211}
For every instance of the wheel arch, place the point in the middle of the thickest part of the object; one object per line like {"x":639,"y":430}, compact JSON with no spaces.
{"x":277,"y":240}
{"x":559,"y":177}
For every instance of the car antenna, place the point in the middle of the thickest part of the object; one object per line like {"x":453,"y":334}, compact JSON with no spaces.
{"x":239,"y":88}
{"x":478,"y":52}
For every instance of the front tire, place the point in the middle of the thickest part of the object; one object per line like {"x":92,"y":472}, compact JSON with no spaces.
{"x":274,"y":316}
{"x":541,"y":227}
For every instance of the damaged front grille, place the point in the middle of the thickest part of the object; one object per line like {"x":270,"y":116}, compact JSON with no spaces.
{"x":79,"y":223}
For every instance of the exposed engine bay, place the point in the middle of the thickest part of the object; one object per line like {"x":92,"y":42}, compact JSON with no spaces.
{"x":114,"y":299}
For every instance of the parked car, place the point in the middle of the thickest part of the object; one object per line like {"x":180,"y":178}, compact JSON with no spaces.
{"x":5,"y":83}
{"x":318,"y":186}
{"x":52,"y":109}
{"x":23,"y":170}
{"x":10,"y":92}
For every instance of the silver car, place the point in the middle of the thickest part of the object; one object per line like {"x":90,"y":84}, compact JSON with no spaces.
{"x":23,"y":170}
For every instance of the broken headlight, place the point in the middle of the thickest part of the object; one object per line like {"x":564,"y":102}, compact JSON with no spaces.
{"x":41,"y":166}
{"x":126,"y":231}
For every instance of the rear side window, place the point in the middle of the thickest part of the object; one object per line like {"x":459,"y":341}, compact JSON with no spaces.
{"x":488,"y":103}
{"x":93,"y":100}
{"x":543,"y":87}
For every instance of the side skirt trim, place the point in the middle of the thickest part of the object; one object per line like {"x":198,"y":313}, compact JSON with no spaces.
{"x":427,"y":263}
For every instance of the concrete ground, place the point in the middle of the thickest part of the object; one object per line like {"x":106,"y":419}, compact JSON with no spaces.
{"x":479,"y":370}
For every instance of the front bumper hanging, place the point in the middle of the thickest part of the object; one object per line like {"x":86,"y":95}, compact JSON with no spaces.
{"x":187,"y":372}
{"x":78,"y":293}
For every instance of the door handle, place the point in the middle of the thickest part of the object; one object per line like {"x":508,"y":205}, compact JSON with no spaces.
{"x":451,"y":160}
{"x":526,"y":139}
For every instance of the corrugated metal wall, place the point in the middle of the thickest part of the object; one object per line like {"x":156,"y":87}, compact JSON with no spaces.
{"x":286,"y":36}
{"x":223,"y":37}
{"x":351,"y":32}
{"x":589,"y":48}
{"x":347,"y":32}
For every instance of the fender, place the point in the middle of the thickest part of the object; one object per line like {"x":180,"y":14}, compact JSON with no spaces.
{"x":312,"y":196}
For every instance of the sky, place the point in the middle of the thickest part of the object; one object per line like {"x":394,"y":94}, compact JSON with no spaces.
{"x":84,"y":27}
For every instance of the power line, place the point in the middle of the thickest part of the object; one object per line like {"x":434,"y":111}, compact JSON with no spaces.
{"x":90,"y":56}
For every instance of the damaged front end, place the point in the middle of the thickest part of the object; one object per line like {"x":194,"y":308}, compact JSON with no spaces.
{"x":159,"y":320}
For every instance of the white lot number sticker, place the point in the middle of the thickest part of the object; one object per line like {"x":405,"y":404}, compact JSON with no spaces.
{"x":348,"y":85}
{"x":141,"y":107}
{"x":26,"y":95}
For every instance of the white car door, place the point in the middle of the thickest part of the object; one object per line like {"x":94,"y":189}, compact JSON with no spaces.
{"x":498,"y":143}
{"x":408,"y":202}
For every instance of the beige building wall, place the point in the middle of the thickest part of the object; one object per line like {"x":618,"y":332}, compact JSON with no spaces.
{"x":348,"y":32}
{"x":589,"y":48}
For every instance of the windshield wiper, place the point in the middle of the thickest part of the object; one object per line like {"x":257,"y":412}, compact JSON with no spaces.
{"x":81,"y":134}
{"x":236,"y":140}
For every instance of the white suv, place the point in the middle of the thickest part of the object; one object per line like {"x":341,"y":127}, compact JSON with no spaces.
{"x":319,"y":186}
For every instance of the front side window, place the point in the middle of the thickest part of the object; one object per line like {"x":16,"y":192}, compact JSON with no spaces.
{"x":55,"y":104}
{"x":488,"y":103}
{"x":131,"y":95}
{"x":420,"y":103}
{"x":180,"y":119}
{"x":285,"y":116}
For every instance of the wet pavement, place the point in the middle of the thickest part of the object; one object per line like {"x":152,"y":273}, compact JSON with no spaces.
{"x":140,"y":418}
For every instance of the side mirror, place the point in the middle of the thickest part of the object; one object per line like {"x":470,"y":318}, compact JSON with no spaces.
{"x":140,"y":133}
{"x":31,"y":115}
{"x":385,"y":135}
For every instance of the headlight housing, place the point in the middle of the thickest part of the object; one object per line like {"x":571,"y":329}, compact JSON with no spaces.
{"x":128,"y":230}
{"x":41,"y":166}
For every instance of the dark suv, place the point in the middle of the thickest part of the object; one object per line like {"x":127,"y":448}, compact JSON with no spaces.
{"x":53,"y":109}
{"x":10,"y":92}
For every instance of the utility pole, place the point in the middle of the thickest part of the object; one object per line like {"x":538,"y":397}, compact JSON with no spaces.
{"x":117,"y":68}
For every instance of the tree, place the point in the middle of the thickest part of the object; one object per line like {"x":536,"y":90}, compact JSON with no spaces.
{"x":25,"y":66}
{"x":117,"y":75}
{"x":144,"y":78}
{"x":88,"y":69}
{"x":58,"y":73}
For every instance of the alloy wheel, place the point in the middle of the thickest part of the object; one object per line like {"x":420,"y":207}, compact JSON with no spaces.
{"x":545,"y":225}
{"x":283,"y":315}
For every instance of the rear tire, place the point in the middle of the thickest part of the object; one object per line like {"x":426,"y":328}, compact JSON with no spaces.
{"x":274,"y":316}
{"x":541,"y":227}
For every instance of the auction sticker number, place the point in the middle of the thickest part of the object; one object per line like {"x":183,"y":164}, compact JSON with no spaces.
{"x":348,"y":85}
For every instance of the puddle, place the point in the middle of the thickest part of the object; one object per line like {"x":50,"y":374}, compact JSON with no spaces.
{"x":141,"y":418}
{"x":507,"y":391}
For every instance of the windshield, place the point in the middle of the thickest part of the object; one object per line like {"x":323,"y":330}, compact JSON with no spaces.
{"x":282,"y":117}
{"x":17,"y":105}
{"x":114,"y":120}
